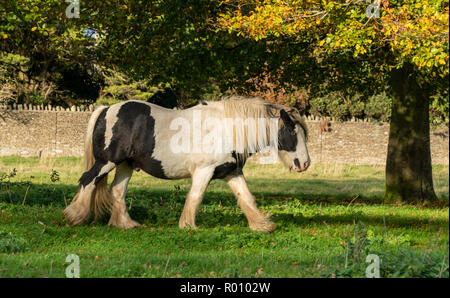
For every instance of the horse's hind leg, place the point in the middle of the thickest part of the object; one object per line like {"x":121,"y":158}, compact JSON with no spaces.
{"x":119,"y":215}
{"x":256,"y":220}
{"x":200,"y":181}
{"x":80,"y":208}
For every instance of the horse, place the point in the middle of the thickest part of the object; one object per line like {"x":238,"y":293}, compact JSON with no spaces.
{"x":135,"y":135}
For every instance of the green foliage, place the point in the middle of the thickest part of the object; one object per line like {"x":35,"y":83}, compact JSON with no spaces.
{"x":107,"y":101}
{"x":35,"y":98}
{"x":6,"y":177}
{"x":128,"y":91}
{"x":318,"y":106}
{"x":54,"y":176}
{"x":47,"y":57}
{"x":397,"y":258}
{"x":334,"y":104}
{"x":379,"y":107}
{"x":356,"y":106}
{"x":10,"y":243}
{"x":207,"y":53}
{"x":439,"y":108}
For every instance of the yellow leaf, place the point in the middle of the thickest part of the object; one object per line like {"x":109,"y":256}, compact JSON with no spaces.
{"x":321,"y":42}
{"x":51,"y":32}
{"x":442,"y":61}
{"x":5,"y":36}
{"x":33,"y":29}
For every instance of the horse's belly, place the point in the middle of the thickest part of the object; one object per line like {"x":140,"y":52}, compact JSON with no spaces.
{"x":163,"y":170}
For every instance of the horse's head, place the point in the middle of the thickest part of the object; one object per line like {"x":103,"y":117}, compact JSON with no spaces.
{"x":292,"y":136}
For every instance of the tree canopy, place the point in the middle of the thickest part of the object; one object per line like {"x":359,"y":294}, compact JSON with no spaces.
{"x":322,"y":46}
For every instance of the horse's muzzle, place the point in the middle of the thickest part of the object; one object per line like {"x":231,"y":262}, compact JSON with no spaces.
{"x":300,"y":167}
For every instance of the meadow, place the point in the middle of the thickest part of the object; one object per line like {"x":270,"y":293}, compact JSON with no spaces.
{"x":328,"y":218}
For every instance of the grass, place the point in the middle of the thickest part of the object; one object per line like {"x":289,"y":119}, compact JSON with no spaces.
{"x":328,"y":220}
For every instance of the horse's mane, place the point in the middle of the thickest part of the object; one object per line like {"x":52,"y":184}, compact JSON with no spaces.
{"x":254,"y":140}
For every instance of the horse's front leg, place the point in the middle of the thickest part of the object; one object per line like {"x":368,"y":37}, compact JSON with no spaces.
{"x":256,"y":220}
{"x":200,"y":181}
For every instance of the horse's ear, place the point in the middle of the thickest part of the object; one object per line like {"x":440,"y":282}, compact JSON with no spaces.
{"x":287,"y":120}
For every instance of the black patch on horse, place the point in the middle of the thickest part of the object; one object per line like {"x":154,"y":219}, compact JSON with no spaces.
{"x":98,"y":143}
{"x":287,"y":139}
{"x":98,"y":137}
{"x":92,"y":174}
{"x":133,"y":139}
{"x":224,"y":170}
{"x":297,"y":163}
{"x":228,"y":168}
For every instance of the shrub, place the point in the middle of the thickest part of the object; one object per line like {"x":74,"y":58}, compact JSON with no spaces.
{"x":356,"y":106}
{"x":120,"y":92}
{"x":107,"y":101}
{"x":333,"y":104}
{"x":36,"y":98}
{"x":337,"y":107}
{"x":318,"y":106}
{"x":439,"y":109}
{"x":378,"y":107}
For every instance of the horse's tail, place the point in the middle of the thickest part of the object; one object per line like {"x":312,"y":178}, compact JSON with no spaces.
{"x":101,"y":198}
{"x":89,"y":159}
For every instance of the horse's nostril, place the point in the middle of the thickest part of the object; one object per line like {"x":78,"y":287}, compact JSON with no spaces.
{"x":306,"y":165}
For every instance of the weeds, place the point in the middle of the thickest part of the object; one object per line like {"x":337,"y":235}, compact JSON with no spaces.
{"x":10,"y":243}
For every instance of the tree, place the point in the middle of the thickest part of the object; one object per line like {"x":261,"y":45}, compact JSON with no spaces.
{"x":50,"y":55}
{"x":170,"y":42}
{"x":403,"y":44}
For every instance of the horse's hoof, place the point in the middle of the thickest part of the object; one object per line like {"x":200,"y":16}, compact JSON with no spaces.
{"x":184,"y":225}
{"x":125,"y":225}
{"x":74,"y":216}
{"x":265,"y":227}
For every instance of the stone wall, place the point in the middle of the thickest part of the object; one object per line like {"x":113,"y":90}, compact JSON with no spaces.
{"x":364,"y":143}
{"x":57,"y":132}
{"x":42,"y":133}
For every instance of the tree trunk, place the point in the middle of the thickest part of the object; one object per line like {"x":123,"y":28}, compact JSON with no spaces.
{"x":408,"y":166}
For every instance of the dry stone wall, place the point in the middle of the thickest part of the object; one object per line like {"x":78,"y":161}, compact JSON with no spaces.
{"x":48,"y":131}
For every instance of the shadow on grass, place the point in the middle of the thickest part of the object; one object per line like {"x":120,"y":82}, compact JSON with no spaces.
{"x":397,"y":221}
{"x":219,"y":208}
{"x":206,"y":220}
{"x":267,"y":192}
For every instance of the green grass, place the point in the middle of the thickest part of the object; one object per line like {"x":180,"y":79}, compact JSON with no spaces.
{"x":328,"y":220}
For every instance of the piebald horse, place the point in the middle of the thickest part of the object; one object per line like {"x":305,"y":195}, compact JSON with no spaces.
{"x":135,"y":135}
